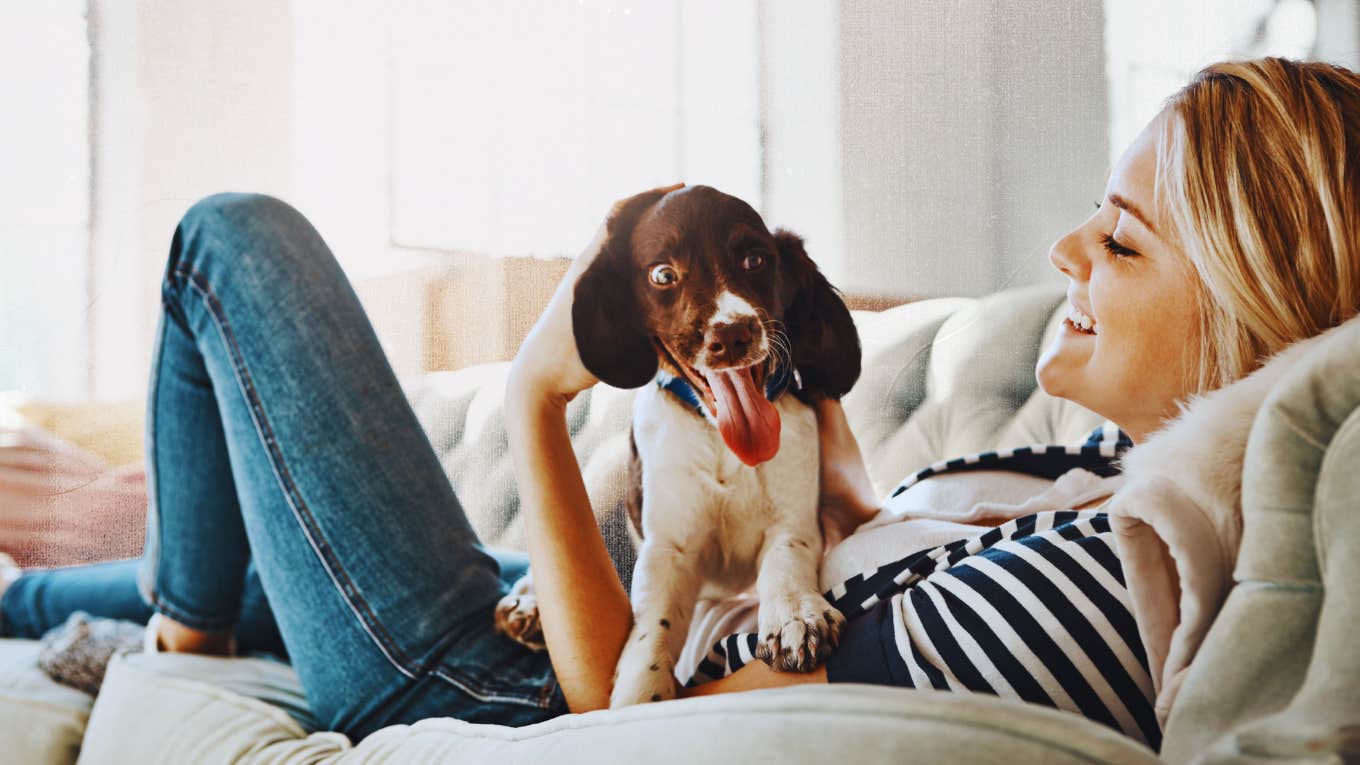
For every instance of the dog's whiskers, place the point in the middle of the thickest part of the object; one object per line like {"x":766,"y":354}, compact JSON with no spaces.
{"x":781,"y":350}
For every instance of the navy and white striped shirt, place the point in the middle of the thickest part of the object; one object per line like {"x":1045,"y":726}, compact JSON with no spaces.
{"x":1035,"y":609}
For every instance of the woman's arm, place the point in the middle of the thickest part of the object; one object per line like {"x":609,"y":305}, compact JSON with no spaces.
{"x":582,"y":606}
{"x":847,"y":495}
{"x":754,"y":676}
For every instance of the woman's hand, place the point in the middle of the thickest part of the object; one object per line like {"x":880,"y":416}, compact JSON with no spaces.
{"x":548,"y":364}
{"x":847,"y":496}
{"x":583,"y":608}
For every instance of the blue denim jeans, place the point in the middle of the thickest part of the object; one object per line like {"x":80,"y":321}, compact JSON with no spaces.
{"x":295,"y":498}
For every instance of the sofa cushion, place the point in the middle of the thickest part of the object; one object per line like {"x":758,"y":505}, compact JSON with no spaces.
{"x":939,"y":380}
{"x":153,"y":709}
{"x":43,"y":721}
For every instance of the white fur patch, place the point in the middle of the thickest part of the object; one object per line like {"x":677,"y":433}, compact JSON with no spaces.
{"x":1202,"y":450}
{"x":731,"y":308}
{"x":713,"y":527}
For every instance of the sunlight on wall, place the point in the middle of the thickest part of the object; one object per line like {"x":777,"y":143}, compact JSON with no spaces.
{"x":44,"y":197}
{"x":516,"y":125}
{"x":1155,"y":46}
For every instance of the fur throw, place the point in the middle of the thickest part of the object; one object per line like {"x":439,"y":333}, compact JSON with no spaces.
{"x":1178,"y":518}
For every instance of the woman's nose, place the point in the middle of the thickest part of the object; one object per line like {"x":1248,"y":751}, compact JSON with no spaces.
{"x":1067,"y":256}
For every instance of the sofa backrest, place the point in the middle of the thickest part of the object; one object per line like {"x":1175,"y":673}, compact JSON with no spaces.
{"x":1279,"y":670}
{"x":942,"y":377}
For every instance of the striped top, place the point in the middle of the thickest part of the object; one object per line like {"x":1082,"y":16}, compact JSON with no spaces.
{"x":1097,"y":454}
{"x":1035,"y":609}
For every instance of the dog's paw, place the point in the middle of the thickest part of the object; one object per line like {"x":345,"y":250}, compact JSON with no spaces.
{"x":517,"y":616}
{"x":798,"y":631}
{"x":644,"y":675}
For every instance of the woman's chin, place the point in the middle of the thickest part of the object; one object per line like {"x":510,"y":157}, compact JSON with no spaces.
{"x":1061,"y":369}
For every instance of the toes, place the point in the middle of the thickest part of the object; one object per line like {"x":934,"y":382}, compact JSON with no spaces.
{"x":517,"y":619}
{"x":803,"y":641}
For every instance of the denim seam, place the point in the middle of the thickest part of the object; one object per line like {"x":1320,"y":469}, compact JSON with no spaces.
{"x":155,"y":594}
{"x":153,"y":589}
{"x":481,"y":693}
{"x":367,"y":619}
{"x":185,"y":617}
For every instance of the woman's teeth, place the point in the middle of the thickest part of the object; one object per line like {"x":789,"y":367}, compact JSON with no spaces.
{"x":1080,"y":321}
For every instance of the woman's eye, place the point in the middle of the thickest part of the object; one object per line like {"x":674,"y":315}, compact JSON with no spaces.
{"x":664,"y":276}
{"x":753,"y":262}
{"x":1116,"y":249}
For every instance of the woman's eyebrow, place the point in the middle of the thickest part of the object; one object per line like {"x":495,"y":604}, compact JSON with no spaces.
{"x":1132,"y":209}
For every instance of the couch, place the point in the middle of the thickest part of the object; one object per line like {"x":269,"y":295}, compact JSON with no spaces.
{"x":1277,"y":679}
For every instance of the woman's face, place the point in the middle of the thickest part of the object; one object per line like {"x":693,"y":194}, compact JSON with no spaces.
{"x":1136,"y":290}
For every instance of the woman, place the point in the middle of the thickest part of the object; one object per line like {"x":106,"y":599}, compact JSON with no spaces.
{"x":283,"y":455}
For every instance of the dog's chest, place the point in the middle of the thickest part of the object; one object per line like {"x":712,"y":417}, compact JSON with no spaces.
{"x":695,"y":491}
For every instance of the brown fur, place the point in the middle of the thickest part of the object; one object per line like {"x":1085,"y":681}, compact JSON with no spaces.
{"x":626,"y":325}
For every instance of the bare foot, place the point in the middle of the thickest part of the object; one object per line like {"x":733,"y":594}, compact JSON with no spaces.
{"x":173,"y":637}
{"x":517,"y":615}
{"x":9,"y":571}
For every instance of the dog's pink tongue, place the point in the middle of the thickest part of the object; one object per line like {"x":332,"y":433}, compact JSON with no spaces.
{"x":749,"y":423}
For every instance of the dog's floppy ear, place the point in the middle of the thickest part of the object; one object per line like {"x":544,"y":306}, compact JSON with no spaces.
{"x":606,"y":318}
{"x":825,"y":343}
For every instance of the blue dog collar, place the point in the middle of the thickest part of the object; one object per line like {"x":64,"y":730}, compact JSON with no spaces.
{"x":783,"y":379}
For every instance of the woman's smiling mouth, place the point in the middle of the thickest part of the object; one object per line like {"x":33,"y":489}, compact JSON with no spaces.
{"x":1079,"y":321}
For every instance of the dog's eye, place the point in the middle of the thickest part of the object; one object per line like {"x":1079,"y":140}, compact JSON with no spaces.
{"x":753,"y":262}
{"x":664,"y":275}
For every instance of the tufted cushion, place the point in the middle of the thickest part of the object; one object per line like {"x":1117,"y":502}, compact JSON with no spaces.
{"x":164,"y":708}
{"x":939,"y":380}
{"x":40,"y":720}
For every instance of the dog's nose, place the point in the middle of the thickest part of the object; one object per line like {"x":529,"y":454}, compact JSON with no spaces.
{"x":730,"y":341}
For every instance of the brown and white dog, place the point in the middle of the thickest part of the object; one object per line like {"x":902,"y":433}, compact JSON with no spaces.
{"x":694,"y":300}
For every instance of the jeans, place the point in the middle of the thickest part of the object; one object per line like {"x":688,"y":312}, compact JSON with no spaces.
{"x":295,"y":498}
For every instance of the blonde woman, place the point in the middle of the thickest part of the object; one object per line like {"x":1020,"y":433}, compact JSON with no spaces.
{"x":296,"y":505}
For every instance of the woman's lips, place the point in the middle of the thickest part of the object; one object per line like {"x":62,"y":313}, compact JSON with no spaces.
{"x":1081,"y":320}
{"x":1071,"y":328}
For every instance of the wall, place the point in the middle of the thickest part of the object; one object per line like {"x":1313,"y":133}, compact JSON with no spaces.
{"x":922,"y":153}
{"x":189,"y":99}
{"x":44,"y":197}
{"x":973,"y":135}
{"x":928,"y":148}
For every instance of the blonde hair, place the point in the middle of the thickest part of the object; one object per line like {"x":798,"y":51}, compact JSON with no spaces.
{"x":1258,"y":172}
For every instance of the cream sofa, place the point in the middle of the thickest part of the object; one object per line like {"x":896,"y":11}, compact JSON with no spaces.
{"x":1278,"y":678}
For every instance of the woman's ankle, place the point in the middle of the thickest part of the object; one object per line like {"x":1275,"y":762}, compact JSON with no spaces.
{"x":173,"y":637}
{"x":9,"y":571}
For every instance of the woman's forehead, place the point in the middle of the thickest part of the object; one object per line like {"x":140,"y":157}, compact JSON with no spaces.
{"x":1133,"y":181}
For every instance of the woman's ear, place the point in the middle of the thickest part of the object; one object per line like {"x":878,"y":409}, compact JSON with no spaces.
{"x":826,"y":349}
{"x":606,"y":318}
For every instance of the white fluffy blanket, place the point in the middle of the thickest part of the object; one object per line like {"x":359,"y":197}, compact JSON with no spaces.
{"x":1178,"y":519}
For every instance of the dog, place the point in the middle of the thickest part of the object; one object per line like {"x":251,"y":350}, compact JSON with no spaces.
{"x":732,"y":333}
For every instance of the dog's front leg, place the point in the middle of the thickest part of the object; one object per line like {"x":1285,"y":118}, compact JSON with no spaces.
{"x":665,"y":587}
{"x":798,"y":627}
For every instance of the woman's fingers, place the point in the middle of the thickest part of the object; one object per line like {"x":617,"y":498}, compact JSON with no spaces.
{"x":548,"y":361}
